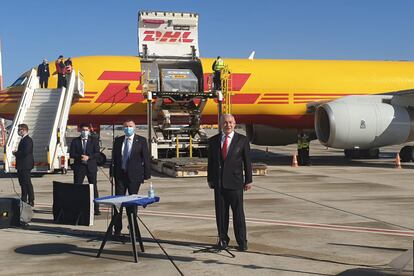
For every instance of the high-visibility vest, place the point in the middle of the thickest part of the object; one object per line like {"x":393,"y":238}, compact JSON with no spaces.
{"x":305,"y":142}
{"x":300,"y":142}
{"x":219,"y":65}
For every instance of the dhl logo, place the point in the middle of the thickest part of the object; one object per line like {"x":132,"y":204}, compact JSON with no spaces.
{"x":168,"y":36}
{"x":121,"y":92}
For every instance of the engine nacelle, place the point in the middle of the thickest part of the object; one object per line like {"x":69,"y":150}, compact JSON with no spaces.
{"x":363,"y":122}
{"x":270,"y":136}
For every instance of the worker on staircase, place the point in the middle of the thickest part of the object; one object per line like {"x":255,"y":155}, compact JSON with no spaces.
{"x":217,"y":66}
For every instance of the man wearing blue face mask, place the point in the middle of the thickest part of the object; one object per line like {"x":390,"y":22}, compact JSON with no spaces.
{"x":85,"y":150}
{"x":130,"y":164}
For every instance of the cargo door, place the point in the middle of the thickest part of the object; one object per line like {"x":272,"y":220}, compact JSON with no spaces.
{"x":168,"y":34}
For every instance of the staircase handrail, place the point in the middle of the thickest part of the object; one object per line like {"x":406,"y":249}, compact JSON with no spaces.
{"x":24,"y":104}
{"x":53,"y":139}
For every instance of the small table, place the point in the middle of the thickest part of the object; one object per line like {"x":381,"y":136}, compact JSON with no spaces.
{"x":127,"y":202}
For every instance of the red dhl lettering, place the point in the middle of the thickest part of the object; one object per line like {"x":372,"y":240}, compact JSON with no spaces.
{"x":116,"y":92}
{"x":167,"y":36}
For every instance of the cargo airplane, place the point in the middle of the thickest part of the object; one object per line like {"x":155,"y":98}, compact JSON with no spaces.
{"x":352,"y":105}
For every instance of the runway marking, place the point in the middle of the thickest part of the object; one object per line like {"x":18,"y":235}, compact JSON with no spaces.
{"x":290,"y":223}
{"x":322,"y":226}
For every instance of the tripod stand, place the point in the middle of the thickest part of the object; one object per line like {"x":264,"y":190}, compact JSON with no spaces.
{"x":218,"y":191}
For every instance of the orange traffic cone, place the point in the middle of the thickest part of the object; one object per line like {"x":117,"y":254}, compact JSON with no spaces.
{"x":294,"y":161}
{"x":398,"y":162}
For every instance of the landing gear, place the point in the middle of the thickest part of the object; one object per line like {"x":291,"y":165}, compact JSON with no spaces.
{"x":361,"y":153}
{"x":406,"y":154}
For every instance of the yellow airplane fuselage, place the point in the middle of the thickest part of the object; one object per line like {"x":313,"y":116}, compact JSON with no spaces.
{"x":270,"y":92}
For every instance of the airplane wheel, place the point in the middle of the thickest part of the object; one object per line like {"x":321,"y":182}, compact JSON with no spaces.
{"x":353,"y":154}
{"x":372,"y":153}
{"x":349,"y":154}
{"x":361,"y":154}
{"x":406,"y":154}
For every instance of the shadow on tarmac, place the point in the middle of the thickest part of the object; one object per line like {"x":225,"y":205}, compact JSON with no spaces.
{"x":367,"y":272}
{"x":198,"y":245}
{"x":109,"y":254}
{"x":64,"y":248}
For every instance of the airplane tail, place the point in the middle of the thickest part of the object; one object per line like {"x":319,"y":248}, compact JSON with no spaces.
{"x":251,"y":57}
{"x":1,"y":71}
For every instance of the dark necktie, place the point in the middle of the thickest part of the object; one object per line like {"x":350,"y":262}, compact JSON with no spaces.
{"x":224,"y":148}
{"x":125,"y":154}
{"x":84,"y":145}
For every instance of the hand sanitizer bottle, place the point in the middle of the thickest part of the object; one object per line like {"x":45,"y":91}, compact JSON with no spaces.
{"x":151,"y":192}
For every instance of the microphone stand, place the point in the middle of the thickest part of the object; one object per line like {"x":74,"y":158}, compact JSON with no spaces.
{"x":112,"y":171}
{"x":218,"y":190}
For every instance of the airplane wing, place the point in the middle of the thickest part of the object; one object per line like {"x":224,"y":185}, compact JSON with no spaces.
{"x":406,"y":92}
{"x":401,"y":97}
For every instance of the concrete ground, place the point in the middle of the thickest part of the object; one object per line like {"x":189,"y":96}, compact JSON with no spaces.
{"x":336,"y":217}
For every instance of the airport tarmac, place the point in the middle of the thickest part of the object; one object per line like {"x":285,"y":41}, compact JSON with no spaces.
{"x":336,"y":217}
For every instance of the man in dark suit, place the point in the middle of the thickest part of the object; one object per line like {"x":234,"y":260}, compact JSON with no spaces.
{"x":85,"y":151}
{"x":24,"y":164}
{"x":43,"y":73}
{"x":130,"y":164}
{"x":229,"y":156}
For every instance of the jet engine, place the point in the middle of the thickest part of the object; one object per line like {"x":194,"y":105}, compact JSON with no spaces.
{"x":363,"y":122}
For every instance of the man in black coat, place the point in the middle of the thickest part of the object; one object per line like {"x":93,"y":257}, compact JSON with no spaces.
{"x":24,"y":164}
{"x":228,"y":157}
{"x":85,"y":151}
{"x":43,"y":73}
{"x":130,"y":164}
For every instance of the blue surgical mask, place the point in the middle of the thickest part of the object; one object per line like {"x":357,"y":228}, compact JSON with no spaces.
{"x":84,"y":133}
{"x":129,"y":131}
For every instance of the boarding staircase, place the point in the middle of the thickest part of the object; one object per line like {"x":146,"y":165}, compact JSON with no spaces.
{"x":46,"y":112}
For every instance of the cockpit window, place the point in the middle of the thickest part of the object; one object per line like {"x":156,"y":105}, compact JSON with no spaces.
{"x":20,"y":81}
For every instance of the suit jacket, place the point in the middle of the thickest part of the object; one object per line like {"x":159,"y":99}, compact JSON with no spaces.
{"x":237,"y":161}
{"x":43,"y":71}
{"x":138,"y":166}
{"x":24,"y":154}
{"x":92,"y":150}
